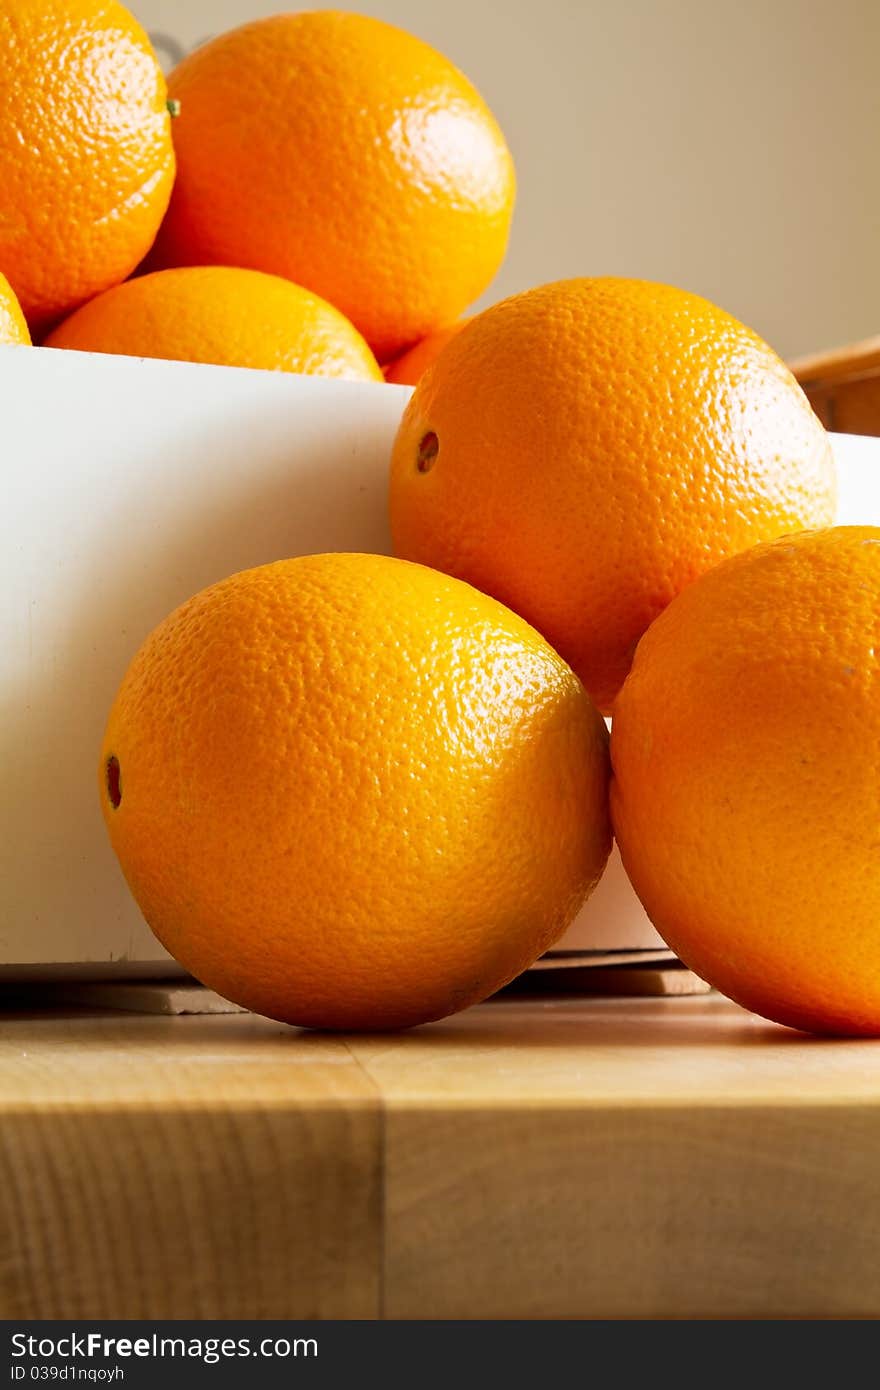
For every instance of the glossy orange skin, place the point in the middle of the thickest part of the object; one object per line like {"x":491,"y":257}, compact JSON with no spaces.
{"x":234,"y":318}
{"x":348,"y":156}
{"x":13,"y":328}
{"x":746,"y":796}
{"x":601,"y":444}
{"x":354,"y":793}
{"x":86,"y":160}
{"x":411,"y":366}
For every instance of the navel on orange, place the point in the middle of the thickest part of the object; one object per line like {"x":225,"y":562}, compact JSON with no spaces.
{"x":586,"y":449}
{"x":350,"y":792}
{"x":746,"y":793}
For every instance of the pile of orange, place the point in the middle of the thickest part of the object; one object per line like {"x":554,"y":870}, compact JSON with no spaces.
{"x":363,"y":168}
{"x":356,"y":791}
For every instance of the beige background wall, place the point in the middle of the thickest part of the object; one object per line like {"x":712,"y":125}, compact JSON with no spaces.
{"x":729,"y":147}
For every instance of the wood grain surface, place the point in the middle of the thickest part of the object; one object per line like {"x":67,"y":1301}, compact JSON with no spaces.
{"x":169,"y":1167}
{"x":634,"y":1158}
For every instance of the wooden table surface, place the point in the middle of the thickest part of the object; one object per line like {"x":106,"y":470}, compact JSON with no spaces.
{"x":543,"y":1158}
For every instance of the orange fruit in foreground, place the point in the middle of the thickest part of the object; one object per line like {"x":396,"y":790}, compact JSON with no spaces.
{"x":235,"y":318}
{"x":407,"y":369}
{"x":13,"y":328}
{"x":86,"y":161}
{"x":584,"y":450}
{"x":349,"y":792}
{"x":746,"y":794}
{"x":348,"y":156}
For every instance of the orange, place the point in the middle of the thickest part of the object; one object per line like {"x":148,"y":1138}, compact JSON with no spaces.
{"x":746,"y":794}
{"x":586,"y":449}
{"x":236,"y":318}
{"x":13,"y":328}
{"x":410,"y":366}
{"x":349,"y":792}
{"x":86,"y":161}
{"x":349,"y":157}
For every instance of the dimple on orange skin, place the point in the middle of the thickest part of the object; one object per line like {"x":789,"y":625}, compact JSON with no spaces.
{"x":349,"y":792}
{"x":602,"y":443}
{"x":226,"y":316}
{"x":13,"y":328}
{"x":347,"y":156}
{"x":86,"y":159}
{"x":410,"y":367}
{"x":746,"y":796}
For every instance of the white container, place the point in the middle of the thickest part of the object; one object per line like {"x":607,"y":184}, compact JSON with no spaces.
{"x":129,"y":485}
